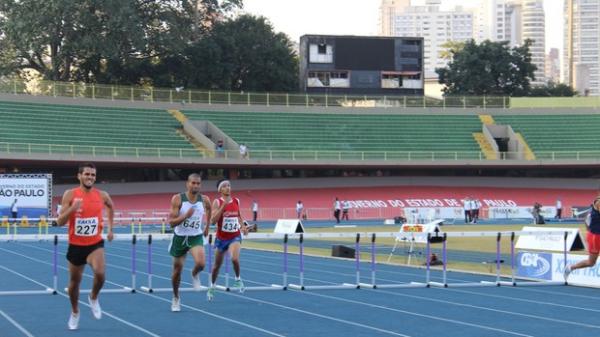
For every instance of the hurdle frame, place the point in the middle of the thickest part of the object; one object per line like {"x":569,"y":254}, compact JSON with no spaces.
{"x":302,"y":286}
{"x":132,"y":288}
{"x":283,"y":286}
{"x":514,"y":283}
{"x":149,"y":289}
{"x":47,"y":291}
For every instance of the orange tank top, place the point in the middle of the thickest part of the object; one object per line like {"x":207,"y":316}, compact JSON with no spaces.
{"x":85,"y":224}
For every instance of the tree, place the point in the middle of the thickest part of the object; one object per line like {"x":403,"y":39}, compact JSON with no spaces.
{"x":242,"y":54}
{"x":100,"y":41}
{"x":450,"y":48}
{"x":489,"y":68}
{"x":553,"y":90}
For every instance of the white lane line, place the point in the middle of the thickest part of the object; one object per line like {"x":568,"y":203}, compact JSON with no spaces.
{"x":511,"y":298}
{"x":356,"y":302}
{"x":447,"y":302}
{"x":266,"y":302}
{"x":389,"y":332}
{"x":250,"y":326}
{"x":512,"y":313}
{"x":484,"y":327}
{"x":149,"y":295}
{"x":560,"y":293}
{"x":139,"y":328}
{"x":16,"y":324}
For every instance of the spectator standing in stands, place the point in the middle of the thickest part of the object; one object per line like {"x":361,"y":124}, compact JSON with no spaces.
{"x":337,"y":209}
{"x":345,"y":209}
{"x":254,"y":210}
{"x":467,"y":209}
{"x":243,"y":151}
{"x":592,"y":223}
{"x":558,"y":209}
{"x":299,"y":209}
{"x":220,"y":149}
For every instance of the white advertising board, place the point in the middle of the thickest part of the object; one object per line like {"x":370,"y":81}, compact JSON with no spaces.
{"x":31,"y":194}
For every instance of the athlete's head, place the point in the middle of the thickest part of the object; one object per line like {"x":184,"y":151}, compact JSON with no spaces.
{"x":596,"y":203}
{"x":193,"y":183}
{"x":87,"y":175}
{"x":224,"y":187}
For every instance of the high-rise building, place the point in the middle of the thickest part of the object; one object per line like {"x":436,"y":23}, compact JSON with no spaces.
{"x":437,"y":27}
{"x":553,"y":65}
{"x":387,"y":13}
{"x":533,"y":27}
{"x":581,"y":67}
{"x":514,"y":21}
{"x":489,"y":21}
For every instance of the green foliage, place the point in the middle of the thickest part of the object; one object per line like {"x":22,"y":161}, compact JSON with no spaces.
{"x":553,"y":90}
{"x":489,"y":68}
{"x":104,"y":41}
{"x":242,"y":54}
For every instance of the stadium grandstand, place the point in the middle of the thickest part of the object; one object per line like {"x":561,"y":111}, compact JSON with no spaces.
{"x":290,"y":147}
{"x":395,"y":171}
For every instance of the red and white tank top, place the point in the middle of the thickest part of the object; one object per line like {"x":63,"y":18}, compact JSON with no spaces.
{"x":228,"y":226}
{"x":85,"y":224}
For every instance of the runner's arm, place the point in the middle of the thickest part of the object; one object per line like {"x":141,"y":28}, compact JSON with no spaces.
{"x":208,"y":209}
{"x":174,"y":218}
{"x":66,"y":208}
{"x":244,"y":226}
{"x":110,"y":210}
{"x":217,"y":211}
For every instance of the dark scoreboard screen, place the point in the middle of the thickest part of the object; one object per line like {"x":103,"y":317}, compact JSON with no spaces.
{"x":364,"y":54}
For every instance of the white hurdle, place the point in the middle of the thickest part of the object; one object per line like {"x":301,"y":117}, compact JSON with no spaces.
{"x":301,"y":286}
{"x":499,"y":280}
{"x":149,"y":289}
{"x":514,"y":283}
{"x":402,"y":285}
{"x":445,"y":284}
{"x":47,"y":291}
{"x":130,"y":289}
{"x":282,"y":286}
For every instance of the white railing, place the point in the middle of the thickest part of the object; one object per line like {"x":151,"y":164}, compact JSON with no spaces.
{"x":150,"y":94}
{"x":289,"y":155}
{"x":99,"y":151}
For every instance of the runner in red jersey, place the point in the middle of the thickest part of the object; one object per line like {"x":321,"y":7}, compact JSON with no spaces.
{"x":82,"y":208}
{"x":230,"y":227}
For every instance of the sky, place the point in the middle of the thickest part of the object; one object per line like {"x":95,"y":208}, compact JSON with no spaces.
{"x":360,"y":17}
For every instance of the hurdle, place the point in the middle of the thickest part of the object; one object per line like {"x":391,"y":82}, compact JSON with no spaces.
{"x":47,"y":291}
{"x":445,"y":284}
{"x":42,"y":223}
{"x":130,"y":289}
{"x":149,"y":289}
{"x":401,"y":285}
{"x":302,"y":286}
{"x":514,"y":283}
{"x":282,"y":286}
{"x":373,"y":284}
{"x":498,"y":282}
{"x":163,"y":220}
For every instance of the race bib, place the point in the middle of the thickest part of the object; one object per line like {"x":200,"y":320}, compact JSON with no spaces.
{"x":86,"y":226}
{"x":192,"y":223}
{"x":230,"y":225}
